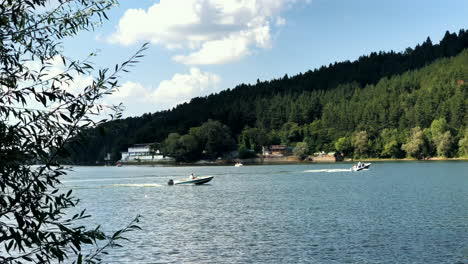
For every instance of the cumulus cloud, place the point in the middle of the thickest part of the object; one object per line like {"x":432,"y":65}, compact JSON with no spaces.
{"x":214,"y":31}
{"x":182,"y":87}
{"x":229,"y":49}
{"x":139,"y":99}
{"x":131,"y":90}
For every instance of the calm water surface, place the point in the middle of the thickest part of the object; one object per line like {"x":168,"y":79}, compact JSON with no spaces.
{"x":397,"y":212}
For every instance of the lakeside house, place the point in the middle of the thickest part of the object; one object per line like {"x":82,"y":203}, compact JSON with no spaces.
{"x":143,"y":152}
{"x":277,"y":151}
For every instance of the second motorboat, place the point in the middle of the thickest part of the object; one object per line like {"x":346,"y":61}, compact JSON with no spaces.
{"x":361,"y":166}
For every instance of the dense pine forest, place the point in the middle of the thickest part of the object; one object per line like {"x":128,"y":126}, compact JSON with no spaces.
{"x":385,"y":105}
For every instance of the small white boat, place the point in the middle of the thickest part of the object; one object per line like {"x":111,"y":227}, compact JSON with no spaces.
{"x":361,"y":166}
{"x":196,"y":181}
{"x":238,"y":164}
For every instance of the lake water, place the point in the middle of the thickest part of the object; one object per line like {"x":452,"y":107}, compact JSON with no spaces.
{"x":396,"y":212}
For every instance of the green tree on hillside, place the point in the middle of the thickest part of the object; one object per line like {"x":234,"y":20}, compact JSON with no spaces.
{"x":301,"y":150}
{"x":170,"y":146}
{"x":391,"y":144}
{"x":245,"y":153}
{"x":315,"y":136}
{"x":463,"y":144}
{"x":182,"y":148}
{"x":360,"y":143}
{"x":444,"y":144}
{"x":273,"y":137}
{"x":416,"y":146}
{"x":290,"y":132}
{"x":253,"y":138}
{"x":215,"y":138}
{"x":344,"y":145}
{"x":210,"y":140}
{"x":441,"y":137}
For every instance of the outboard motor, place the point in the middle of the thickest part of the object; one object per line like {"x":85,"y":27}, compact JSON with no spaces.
{"x":170,"y":182}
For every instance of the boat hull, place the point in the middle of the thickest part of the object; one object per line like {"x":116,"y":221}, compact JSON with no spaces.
{"x":197,"y":181}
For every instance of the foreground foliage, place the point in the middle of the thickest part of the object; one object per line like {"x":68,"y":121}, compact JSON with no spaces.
{"x":39,"y":114}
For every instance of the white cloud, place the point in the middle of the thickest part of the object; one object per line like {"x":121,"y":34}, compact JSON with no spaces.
{"x":215,"y":31}
{"x":280,"y":21}
{"x":182,"y":87}
{"x":139,"y":99}
{"x":131,"y":90}
{"x":218,"y":51}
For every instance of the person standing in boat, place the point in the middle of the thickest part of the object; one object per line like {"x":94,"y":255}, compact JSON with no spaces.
{"x":192,"y":176}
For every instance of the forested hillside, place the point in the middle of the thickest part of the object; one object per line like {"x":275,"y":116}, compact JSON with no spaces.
{"x":386,"y":104}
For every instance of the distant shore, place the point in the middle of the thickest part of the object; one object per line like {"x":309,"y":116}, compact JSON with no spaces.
{"x":277,"y":160}
{"x":412,"y":159}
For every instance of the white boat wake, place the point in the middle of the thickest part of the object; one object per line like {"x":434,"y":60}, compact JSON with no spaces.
{"x":329,"y":170}
{"x":137,"y":185}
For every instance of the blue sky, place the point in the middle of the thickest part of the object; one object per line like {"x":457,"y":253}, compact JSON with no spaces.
{"x":198,"y":47}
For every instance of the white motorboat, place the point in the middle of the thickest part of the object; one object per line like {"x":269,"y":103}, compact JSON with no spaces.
{"x":361,"y":166}
{"x":238,"y":164}
{"x":196,"y":181}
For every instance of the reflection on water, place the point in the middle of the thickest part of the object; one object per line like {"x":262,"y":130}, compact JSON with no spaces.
{"x":393,"y":213}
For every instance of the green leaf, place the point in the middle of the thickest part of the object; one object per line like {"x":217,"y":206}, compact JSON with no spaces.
{"x":66,"y":118}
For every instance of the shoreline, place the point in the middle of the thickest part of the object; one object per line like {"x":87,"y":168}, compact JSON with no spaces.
{"x":283,"y":161}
